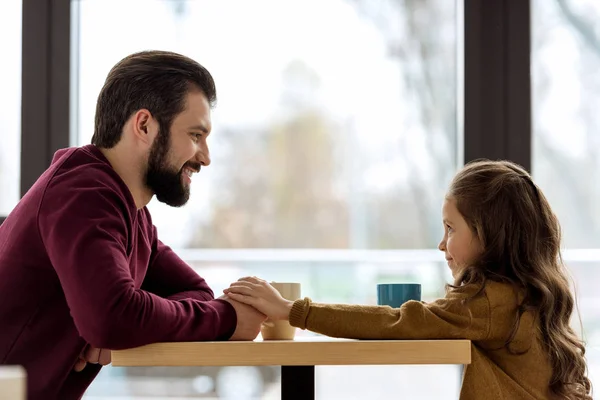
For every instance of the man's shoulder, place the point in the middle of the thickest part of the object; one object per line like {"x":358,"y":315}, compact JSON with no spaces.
{"x":85,"y":168}
{"x":84,"y":176}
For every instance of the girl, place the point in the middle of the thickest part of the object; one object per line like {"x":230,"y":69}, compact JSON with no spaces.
{"x":510,"y":295}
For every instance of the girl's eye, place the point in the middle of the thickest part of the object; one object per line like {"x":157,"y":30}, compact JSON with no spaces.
{"x":449,"y":228}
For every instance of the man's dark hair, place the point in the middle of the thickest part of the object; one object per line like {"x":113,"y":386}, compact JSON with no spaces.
{"x":158,"y":81}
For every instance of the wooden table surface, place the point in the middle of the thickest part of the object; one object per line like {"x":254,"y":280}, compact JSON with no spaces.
{"x":13,"y":380}
{"x":300,"y":351}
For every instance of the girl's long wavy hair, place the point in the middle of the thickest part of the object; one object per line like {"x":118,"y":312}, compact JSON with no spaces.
{"x":520,"y":238}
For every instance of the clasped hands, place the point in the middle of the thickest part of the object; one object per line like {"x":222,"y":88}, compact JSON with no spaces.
{"x":259,"y":294}
{"x":254,"y":301}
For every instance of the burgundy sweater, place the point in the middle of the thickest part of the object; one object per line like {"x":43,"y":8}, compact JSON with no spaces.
{"x":81,"y":265}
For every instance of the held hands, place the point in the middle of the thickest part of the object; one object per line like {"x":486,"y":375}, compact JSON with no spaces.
{"x":262,"y":296}
{"x":92,"y":355}
{"x":249,"y":320}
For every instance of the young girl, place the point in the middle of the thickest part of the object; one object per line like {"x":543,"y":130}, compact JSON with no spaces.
{"x":510,"y":295}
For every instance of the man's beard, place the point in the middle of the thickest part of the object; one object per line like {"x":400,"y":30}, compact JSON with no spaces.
{"x":164,"y":181}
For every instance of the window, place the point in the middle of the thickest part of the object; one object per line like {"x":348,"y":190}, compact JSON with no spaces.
{"x":335,"y":132}
{"x":10,"y":104}
{"x":566,"y":142}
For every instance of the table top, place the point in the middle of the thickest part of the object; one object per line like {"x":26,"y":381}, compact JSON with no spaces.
{"x":300,"y":351}
{"x":12,"y":382}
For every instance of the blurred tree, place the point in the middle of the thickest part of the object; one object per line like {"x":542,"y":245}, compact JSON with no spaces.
{"x":575,"y":196}
{"x":288,"y":192}
{"x":281,"y":190}
{"x":427,"y":61}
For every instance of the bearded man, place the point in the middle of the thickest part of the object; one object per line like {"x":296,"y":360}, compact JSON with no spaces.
{"x":82,"y":270}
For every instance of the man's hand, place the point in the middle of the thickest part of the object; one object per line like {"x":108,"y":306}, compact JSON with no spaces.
{"x":92,"y":355}
{"x":261,"y":295}
{"x":249,"y":320}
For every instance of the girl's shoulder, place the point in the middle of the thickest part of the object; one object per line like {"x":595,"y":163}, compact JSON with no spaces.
{"x":502,"y":294}
{"x":497,"y":294}
{"x":498,"y":302}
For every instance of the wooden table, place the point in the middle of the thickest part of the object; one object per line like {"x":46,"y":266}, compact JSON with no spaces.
{"x":298,"y":357}
{"x":12,"y":382}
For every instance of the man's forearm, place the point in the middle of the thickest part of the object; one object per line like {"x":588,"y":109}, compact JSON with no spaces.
{"x":192,"y":294}
{"x":146,"y":318}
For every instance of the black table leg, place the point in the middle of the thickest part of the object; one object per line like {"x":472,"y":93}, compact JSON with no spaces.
{"x":297,"y":382}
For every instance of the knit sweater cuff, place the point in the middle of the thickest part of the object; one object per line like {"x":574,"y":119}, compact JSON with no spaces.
{"x":299,"y":313}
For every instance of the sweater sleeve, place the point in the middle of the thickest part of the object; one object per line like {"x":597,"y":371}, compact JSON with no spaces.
{"x":449,"y":318}
{"x":170,"y":277}
{"x":85,"y":232}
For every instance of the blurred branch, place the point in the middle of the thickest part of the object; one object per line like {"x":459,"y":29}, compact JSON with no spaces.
{"x":582,"y":26}
{"x":568,"y":174}
{"x":419,"y":50}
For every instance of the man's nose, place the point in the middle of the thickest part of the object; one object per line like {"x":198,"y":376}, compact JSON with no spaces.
{"x":203,"y":157}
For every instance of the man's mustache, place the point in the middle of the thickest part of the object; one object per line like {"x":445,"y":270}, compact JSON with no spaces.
{"x":194,"y":166}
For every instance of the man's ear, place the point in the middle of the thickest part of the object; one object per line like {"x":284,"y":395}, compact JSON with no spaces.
{"x":144,"y":126}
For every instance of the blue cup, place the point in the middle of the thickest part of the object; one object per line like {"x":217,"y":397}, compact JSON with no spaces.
{"x":396,"y":294}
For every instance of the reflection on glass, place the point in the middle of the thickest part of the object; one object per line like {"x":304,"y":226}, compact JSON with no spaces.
{"x":335,"y":128}
{"x":566,"y":141}
{"x":10,"y":104}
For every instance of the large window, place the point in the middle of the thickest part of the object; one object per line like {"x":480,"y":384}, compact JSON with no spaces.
{"x":323,"y":138}
{"x":335,"y":131}
{"x":566,"y":141}
{"x":10,"y":104}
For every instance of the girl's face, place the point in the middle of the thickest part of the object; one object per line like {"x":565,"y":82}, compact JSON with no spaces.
{"x":459,"y":244}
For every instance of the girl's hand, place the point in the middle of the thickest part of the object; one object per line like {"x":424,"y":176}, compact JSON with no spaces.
{"x":260,"y":295}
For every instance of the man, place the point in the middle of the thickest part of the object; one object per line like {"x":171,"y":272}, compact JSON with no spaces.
{"x":81,"y":268}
